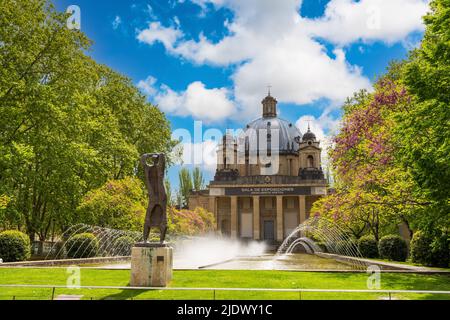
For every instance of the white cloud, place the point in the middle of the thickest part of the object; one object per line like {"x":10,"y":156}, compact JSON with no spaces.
{"x":270,"y":43}
{"x":147,"y":86}
{"x":202,"y":154}
{"x":201,"y":103}
{"x":117,"y":22}
{"x":347,"y":21}
{"x":156,"y":32}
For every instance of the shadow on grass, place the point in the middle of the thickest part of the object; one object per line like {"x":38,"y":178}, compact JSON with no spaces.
{"x":126,"y":295}
{"x":418,"y":282}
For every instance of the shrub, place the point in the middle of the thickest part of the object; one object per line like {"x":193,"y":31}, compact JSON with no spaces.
{"x":190,"y":222}
{"x":14,"y":246}
{"x":430,"y":251}
{"x":440,"y":251}
{"x":421,"y":248}
{"x":118,"y":204}
{"x":123,"y":245}
{"x":393,"y":247}
{"x":368,"y":247}
{"x":83,"y":245}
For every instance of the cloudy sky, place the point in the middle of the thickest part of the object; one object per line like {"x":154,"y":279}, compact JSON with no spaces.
{"x":212,"y":60}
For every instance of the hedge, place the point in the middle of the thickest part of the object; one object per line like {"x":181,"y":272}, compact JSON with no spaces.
{"x":421,"y":248}
{"x":14,"y":246}
{"x":83,"y":245}
{"x":393,"y":247}
{"x":368,"y":247}
{"x":430,"y":251}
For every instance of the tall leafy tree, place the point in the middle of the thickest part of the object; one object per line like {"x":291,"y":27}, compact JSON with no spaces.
{"x":391,"y":156}
{"x":424,"y":130}
{"x":67,"y":124}
{"x":185,"y":185}
{"x":198,"y":181}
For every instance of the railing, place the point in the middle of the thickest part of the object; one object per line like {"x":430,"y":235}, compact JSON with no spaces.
{"x":215,"y":290}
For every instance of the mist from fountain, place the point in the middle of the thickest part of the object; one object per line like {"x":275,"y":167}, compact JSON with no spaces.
{"x":190,"y":252}
{"x":212,"y":249}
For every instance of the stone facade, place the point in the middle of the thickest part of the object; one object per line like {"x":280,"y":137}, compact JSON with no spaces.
{"x":264,"y":193}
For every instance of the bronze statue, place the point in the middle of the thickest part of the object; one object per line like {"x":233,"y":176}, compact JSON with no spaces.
{"x":157,"y":199}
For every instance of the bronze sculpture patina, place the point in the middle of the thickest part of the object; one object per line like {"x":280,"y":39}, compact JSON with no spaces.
{"x":157,"y":199}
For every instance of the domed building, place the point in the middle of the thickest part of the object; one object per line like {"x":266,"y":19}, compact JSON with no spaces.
{"x":266,"y":181}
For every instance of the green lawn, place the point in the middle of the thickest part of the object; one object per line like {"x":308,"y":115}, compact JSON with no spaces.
{"x":219,"y":279}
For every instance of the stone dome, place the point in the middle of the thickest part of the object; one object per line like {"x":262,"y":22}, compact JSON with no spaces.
{"x":309,"y":136}
{"x":289,"y":135}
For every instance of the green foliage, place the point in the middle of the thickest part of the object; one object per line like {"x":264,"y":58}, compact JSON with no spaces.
{"x":390,"y":159}
{"x":189,"y":182}
{"x":168,"y":188}
{"x":424,"y":130}
{"x":198,"y":182}
{"x":185,"y":181}
{"x":420,"y":247}
{"x":188,"y":222}
{"x":83,"y":245}
{"x":440,"y":251}
{"x":14,"y":246}
{"x":368,"y":247}
{"x":429,"y":251}
{"x":67,"y":124}
{"x":122,"y":246}
{"x":393,"y":247}
{"x":118,"y":204}
{"x":4,"y":200}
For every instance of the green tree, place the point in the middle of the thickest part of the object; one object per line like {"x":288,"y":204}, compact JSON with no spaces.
{"x":67,"y":124}
{"x":168,"y":187}
{"x":118,"y":204}
{"x":392,"y":152}
{"x":424,"y":129}
{"x":198,"y":181}
{"x":185,"y":186}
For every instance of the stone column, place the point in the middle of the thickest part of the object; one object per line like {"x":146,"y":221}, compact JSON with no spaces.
{"x":213,"y":208}
{"x":302,"y":208}
{"x":234,"y":217}
{"x":256,"y":222}
{"x":280,"y":226}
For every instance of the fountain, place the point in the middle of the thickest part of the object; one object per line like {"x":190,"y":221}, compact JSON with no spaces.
{"x":106,"y":237}
{"x":337,"y":243}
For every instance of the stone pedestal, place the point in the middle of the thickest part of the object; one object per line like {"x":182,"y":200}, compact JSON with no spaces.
{"x":151,"y":265}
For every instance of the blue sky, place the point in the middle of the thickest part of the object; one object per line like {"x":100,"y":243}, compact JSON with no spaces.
{"x":211,"y":60}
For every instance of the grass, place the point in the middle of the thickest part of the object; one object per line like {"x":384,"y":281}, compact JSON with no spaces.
{"x":409,"y":263}
{"x":219,"y":279}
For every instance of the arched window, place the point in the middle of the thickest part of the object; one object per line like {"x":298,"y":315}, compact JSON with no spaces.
{"x":310,"y":161}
